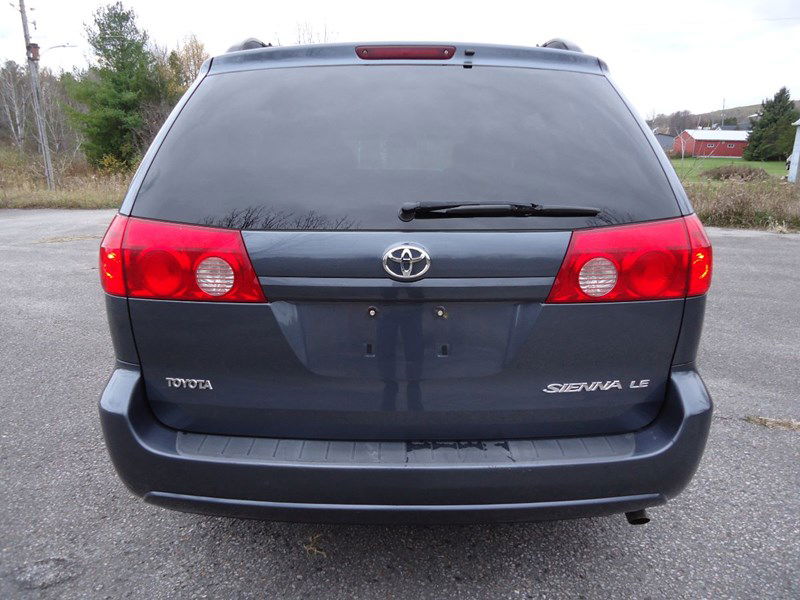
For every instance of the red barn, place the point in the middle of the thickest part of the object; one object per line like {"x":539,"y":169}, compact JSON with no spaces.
{"x":710,"y":142}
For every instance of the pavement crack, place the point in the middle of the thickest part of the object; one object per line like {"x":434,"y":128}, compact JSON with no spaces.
{"x":67,"y":238}
{"x":784,"y":424}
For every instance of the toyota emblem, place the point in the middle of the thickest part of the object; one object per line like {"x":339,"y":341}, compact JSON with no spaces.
{"x":406,"y":262}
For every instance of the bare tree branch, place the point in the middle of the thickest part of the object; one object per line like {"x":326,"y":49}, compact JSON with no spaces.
{"x":14,"y":101}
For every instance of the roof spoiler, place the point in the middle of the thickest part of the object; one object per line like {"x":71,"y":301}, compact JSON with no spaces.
{"x":555,"y":43}
{"x":562,"y":44}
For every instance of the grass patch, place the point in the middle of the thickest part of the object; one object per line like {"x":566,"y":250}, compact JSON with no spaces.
{"x":769,"y":204}
{"x":21,"y":186}
{"x":95,"y":192}
{"x":690,"y":169}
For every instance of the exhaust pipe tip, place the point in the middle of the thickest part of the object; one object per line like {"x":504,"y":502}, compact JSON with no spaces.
{"x":638,"y":517}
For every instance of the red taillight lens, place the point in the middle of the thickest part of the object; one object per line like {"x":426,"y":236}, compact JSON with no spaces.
{"x":111,"y":275}
{"x":701,"y":260}
{"x":405,"y":52}
{"x":177,"y":262}
{"x":647,"y":261}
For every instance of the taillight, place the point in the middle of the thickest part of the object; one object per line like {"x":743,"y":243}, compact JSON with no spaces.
{"x":171,"y":261}
{"x":645,"y":261}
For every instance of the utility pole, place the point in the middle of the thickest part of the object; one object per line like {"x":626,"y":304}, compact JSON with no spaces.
{"x":32,"y":52}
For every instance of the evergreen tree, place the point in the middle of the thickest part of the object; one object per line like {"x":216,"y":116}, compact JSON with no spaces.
{"x":773,"y":135}
{"x":115,"y":90}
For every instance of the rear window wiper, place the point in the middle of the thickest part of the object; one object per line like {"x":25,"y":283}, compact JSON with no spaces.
{"x":444,"y":210}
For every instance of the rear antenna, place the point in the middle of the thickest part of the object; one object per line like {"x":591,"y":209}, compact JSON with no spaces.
{"x":562,"y":44}
{"x":248,"y":44}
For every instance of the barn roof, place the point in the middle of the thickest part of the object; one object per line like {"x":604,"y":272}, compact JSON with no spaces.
{"x":718,"y":135}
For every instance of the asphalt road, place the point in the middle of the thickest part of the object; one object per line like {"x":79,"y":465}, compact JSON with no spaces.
{"x":68,"y":527}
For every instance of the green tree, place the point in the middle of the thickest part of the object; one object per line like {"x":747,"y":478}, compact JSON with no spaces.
{"x":773,"y":135}
{"x":186,"y":60}
{"x":116,"y":88}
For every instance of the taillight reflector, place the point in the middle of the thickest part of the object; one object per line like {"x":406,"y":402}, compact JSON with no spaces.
{"x":405,"y":52}
{"x":151,"y":259}
{"x":701,"y":262}
{"x":645,"y":261}
{"x":111,"y":275}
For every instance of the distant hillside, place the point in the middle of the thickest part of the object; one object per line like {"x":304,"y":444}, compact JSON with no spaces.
{"x":676,"y":122}
{"x":740,"y":112}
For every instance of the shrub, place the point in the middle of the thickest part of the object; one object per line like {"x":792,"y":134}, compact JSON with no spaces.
{"x":767,"y":204}
{"x":735,"y":172}
{"x":111,"y":165}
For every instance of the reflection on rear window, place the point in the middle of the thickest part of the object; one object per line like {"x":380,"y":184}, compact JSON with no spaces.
{"x":344,"y":147}
{"x":416,"y":154}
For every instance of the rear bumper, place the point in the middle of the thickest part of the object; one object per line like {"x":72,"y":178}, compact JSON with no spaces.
{"x":514,"y":480}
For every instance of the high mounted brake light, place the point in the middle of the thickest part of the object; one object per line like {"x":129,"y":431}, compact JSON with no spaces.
{"x":643,"y":261}
{"x":170,"y":261}
{"x":405,"y":52}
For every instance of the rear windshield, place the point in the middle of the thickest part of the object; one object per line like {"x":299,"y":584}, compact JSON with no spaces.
{"x":343,"y":147}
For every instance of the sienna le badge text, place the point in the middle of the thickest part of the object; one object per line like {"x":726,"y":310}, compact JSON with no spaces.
{"x":593,"y":386}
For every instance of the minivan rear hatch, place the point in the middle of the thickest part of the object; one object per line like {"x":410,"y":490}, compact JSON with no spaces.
{"x":313,"y":164}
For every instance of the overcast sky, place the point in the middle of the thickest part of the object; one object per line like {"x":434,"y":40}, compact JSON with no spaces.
{"x":666,"y":55}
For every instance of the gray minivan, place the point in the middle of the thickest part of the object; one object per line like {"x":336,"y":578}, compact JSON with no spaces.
{"x":405,"y":283}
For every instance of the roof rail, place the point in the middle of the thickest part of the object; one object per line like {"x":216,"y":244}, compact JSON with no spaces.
{"x":562,"y":44}
{"x":248,"y":44}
